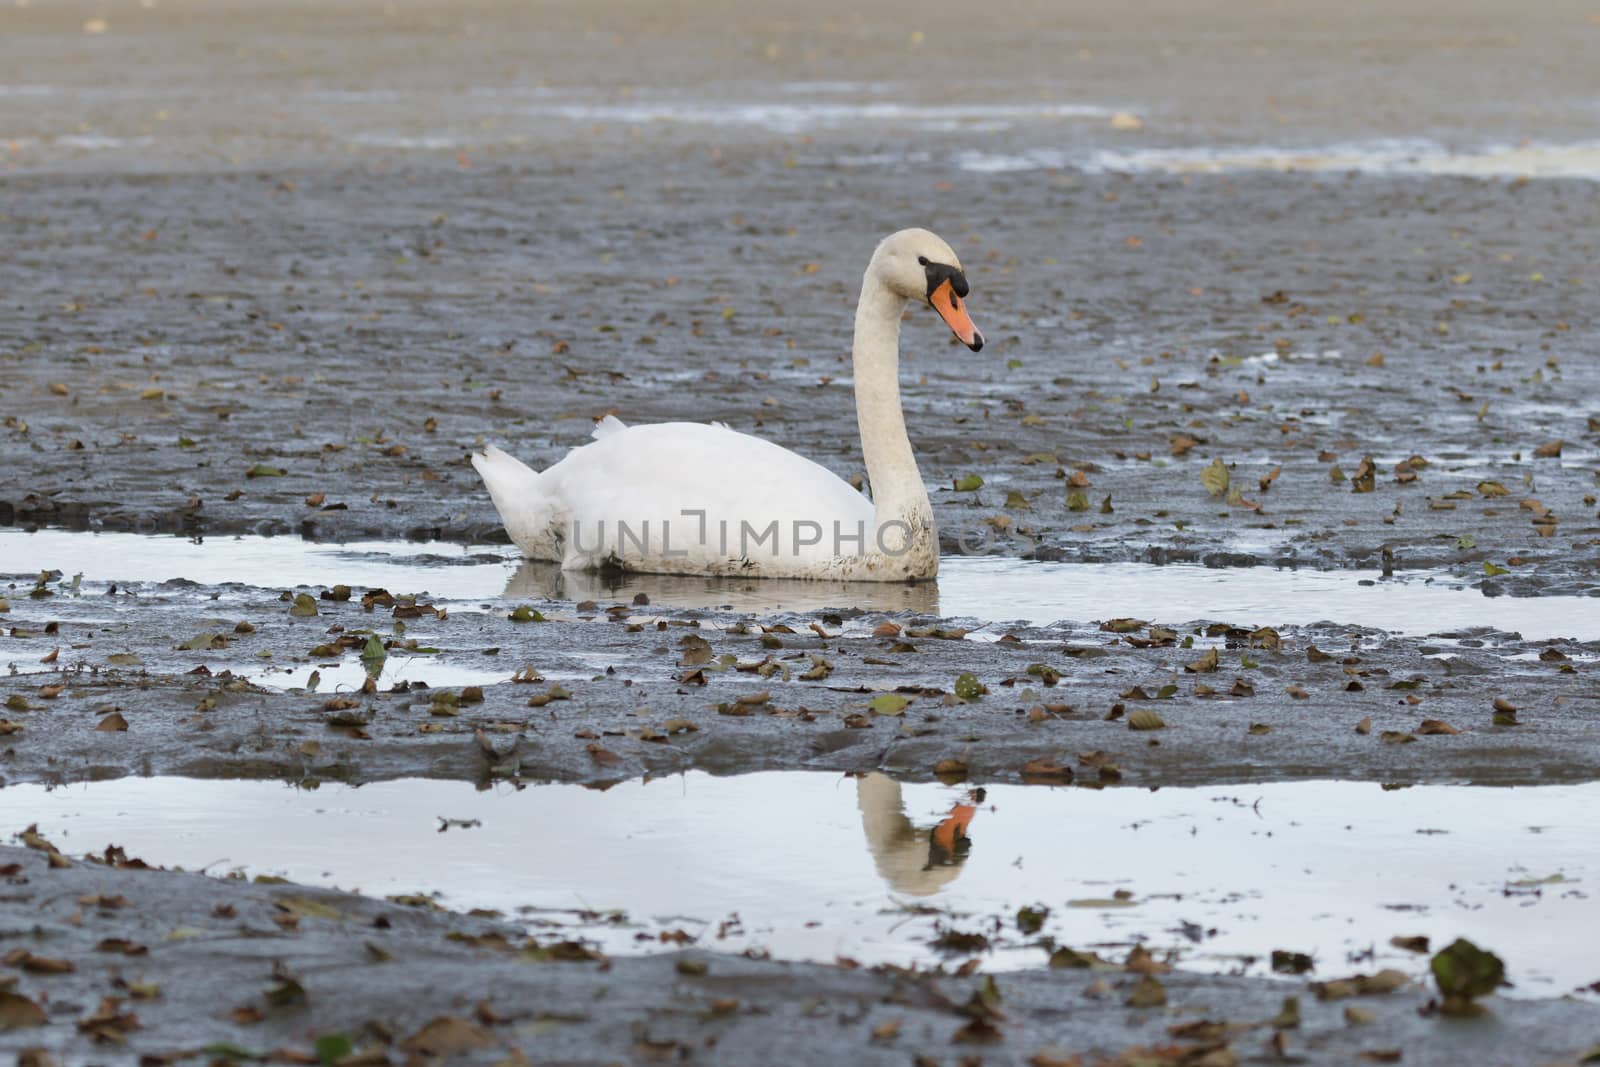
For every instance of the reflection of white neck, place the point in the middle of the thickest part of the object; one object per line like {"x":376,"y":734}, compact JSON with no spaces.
{"x":898,"y":494}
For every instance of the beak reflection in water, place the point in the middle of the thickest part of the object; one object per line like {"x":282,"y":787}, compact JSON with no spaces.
{"x":913,"y":860}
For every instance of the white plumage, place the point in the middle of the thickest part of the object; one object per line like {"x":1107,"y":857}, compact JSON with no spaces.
{"x":697,"y":498}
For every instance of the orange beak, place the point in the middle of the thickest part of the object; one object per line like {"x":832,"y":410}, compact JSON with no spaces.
{"x":954,"y":827}
{"x":954,"y":313}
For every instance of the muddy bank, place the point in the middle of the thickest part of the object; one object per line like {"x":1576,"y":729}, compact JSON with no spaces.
{"x":112,"y":963}
{"x":233,"y":680}
{"x":318,"y":351}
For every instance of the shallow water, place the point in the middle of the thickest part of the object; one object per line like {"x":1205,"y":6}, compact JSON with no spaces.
{"x":853,"y":867}
{"x":1422,"y":158}
{"x":985,"y":589}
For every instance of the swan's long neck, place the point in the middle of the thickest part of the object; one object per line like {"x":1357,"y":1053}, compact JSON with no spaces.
{"x":897,"y":489}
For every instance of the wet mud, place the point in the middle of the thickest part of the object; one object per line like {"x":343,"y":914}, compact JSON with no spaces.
{"x":213,"y":681}
{"x":114,"y":963}
{"x":319,"y":352}
{"x":279,"y":269}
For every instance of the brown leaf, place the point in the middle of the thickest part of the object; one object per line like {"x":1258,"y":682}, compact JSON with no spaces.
{"x":1361,"y":985}
{"x":17,"y":1012}
{"x":21,"y":957}
{"x":447,"y":1036}
{"x":976,"y":1032}
{"x":112,"y":722}
{"x":1045,"y":769}
{"x":1049,"y":1057}
{"x":122,"y":946}
{"x":1365,"y":477}
{"x":1148,"y":992}
{"x":1436,"y":726}
{"x":888,"y":1030}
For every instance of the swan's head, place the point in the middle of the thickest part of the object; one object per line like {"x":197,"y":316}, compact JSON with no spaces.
{"x":918,"y":265}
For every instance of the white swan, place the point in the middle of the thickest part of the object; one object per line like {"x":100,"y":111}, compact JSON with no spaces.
{"x":692,"y":498}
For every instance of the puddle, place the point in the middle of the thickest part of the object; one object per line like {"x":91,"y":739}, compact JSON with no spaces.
{"x":1391,"y":156}
{"x":350,"y":672}
{"x":871,"y":870}
{"x":988,"y":589}
{"x":446,"y":571}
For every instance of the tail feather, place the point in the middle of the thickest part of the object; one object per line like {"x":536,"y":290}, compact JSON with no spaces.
{"x":521,"y":500}
{"x":607,"y":426}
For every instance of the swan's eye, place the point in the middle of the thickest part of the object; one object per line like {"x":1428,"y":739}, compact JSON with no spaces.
{"x":922,"y":260}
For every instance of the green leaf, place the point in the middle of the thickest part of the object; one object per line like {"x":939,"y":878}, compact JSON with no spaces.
{"x":1045,"y":673}
{"x":304,"y":606}
{"x":1466,"y":541}
{"x":374,"y":649}
{"x":1215,"y":477}
{"x":287,"y":992}
{"x":1077,"y":501}
{"x":1015,"y":501}
{"x":333,"y":1047}
{"x":968,"y":687}
{"x":888,"y":704}
{"x":527,"y":614}
{"x":261,"y":470}
{"x":1494,"y":571}
{"x":1464,"y":971}
{"x":968,"y":483}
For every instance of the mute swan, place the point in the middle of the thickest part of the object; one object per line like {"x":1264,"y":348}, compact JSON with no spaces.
{"x":693,"y":498}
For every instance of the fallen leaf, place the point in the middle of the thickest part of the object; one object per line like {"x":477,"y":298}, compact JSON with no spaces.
{"x":1148,"y":992}
{"x":17,"y":1012}
{"x":1045,"y":769}
{"x":447,"y":1036}
{"x":1361,"y":985}
{"x":1463,"y":972}
{"x":888,"y":704}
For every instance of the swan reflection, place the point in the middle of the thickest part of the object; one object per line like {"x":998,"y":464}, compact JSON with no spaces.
{"x":918,"y":861}
{"x":535,"y":579}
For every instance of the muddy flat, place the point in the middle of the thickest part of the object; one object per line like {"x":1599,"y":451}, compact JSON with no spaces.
{"x":1273,"y":495}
